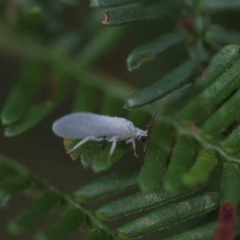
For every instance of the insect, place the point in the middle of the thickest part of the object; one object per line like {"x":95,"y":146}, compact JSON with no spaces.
{"x":95,"y":127}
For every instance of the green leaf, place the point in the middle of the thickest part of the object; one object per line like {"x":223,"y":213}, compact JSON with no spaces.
{"x":15,"y":184}
{"x":230,"y":191}
{"x":201,"y":170}
{"x":20,"y":98}
{"x":223,"y":117}
{"x":232,"y":142}
{"x":90,"y":152}
{"x":107,"y":186}
{"x":155,"y":159}
{"x":206,"y":232}
{"x":16,"y":167}
{"x":137,"y":202}
{"x":68,"y":41}
{"x":98,"y":46}
{"x":217,"y":66}
{"x":220,"y":4}
{"x":123,"y":16}
{"x":169,"y":215}
{"x":150,"y":50}
{"x":69,"y":144}
{"x":39,"y":111}
{"x":105,"y":161}
{"x":65,"y":227}
{"x":213,"y":95}
{"x":98,"y":234}
{"x":6,"y":171}
{"x":174,"y":80}
{"x":220,"y":36}
{"x":180,"y":163}
{"x":34,"y":215}
{"x":109,"y":3}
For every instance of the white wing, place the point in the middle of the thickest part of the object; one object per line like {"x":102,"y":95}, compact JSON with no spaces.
{"x":82,"y":125}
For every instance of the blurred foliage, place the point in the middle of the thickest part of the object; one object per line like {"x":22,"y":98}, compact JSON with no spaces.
{"x":194,"y":140}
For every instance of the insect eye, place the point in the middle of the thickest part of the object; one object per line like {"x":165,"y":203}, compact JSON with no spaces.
{"x":143,"y":139}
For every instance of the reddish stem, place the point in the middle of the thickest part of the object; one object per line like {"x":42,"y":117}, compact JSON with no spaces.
{"x":226,"y":222}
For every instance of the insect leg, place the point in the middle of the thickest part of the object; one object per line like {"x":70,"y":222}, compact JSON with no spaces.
{"x":114,"y":141}
{"x":84,"y":141}
{"x":132,"y":140}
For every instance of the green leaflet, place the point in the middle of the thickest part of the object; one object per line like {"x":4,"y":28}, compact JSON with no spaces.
{"x":5,"y":171}
{"x":206,"y":232}
{"x":90,"y":152}
{"x":218,"y":35}
{"x":174,"y":80}
{"x":69,"y":144}
{"x":99,"y":45}
{"x":106,"y":186}
{"x":34,"y":215}
{"x":232,"y":142}
{"x":99,"y":234}
{"x":201,"y":170}
{"x":214,"y":94}
{"x":15,"y":184}
{"x":150,"y":50}
{"x":20,"y":98}
{"x":180,"y":162}
{"x":220,"y":4}
{"x":137,"y":202}
{"x":169,"y":215}
{"x":73,"y":38}
{"x":110,"y":3}
{"x":155,"y":158}
{"x":13,"y":166}
{"x":223,"y":117}
{"x":123,"y":16}
{"x":39,"y":111}
{"x":65,"y":227}
{"x":230,"y":191}
{"x":105,"y":161}
{"x":219,"y":63}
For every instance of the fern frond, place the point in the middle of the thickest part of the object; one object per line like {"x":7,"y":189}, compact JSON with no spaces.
{"x":196,"y":129}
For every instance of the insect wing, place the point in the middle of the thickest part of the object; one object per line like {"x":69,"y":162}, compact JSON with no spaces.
{"x":82,"y":125}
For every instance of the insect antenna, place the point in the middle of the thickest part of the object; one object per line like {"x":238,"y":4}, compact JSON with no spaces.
{"x":162,"y":104}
